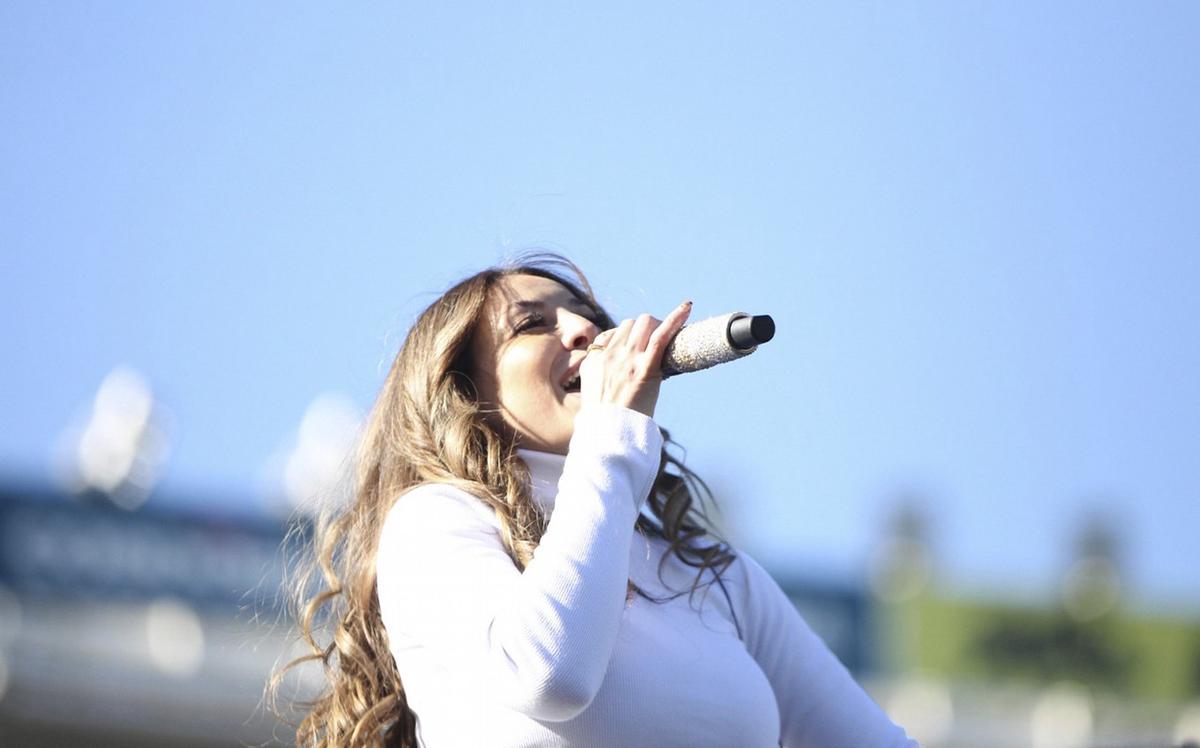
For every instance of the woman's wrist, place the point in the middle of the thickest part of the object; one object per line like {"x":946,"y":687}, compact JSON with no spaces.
{"x":624,"y":444}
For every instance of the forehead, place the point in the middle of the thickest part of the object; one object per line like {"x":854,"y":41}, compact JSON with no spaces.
{"x":513,"y":293}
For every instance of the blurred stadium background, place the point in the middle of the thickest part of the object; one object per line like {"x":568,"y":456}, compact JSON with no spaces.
{"x":129,"y":622}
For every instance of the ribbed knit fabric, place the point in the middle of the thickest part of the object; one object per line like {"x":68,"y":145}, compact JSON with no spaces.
{"x":556,"y":656}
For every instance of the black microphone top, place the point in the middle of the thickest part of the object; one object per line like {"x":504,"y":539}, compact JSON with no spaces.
{"x":749,"y":331}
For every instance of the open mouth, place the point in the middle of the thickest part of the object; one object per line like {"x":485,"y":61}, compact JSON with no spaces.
{"x":572,"y":384}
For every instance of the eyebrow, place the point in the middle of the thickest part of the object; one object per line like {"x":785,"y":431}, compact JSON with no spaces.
{"x":530,"y":304}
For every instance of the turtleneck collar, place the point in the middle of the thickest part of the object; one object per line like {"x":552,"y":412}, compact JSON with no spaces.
{"x":545,"y":469}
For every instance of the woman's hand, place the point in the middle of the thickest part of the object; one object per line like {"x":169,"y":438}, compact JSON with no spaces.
{"x":624,"y":364}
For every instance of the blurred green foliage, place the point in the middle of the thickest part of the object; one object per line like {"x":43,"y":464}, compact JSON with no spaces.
{"x":1151,"y":657}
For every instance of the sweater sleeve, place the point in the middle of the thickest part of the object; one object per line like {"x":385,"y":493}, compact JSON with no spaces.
{"x":820,"y":704}
{"x":538,"y":641}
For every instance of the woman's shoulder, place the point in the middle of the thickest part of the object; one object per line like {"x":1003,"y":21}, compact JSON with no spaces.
{"x":676,"y":574}
{"x":746,"y":573}
{"x":429,"y":521}
{"x":741,"y":565}
{"x":428,"y":507}
{"x":743,"y":578}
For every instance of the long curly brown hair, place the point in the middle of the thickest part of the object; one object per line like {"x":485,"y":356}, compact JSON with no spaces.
{"x":428,"y":426}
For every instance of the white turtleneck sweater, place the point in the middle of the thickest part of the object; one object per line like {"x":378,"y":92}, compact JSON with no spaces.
{"x":557,"y":656}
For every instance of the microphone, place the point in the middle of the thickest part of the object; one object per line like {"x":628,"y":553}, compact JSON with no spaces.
{"x":716,"y":340}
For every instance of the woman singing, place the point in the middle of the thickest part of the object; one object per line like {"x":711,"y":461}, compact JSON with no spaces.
{"x":524,"y":563}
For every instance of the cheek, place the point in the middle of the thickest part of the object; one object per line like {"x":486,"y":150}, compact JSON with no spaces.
{"x":520,"y":375}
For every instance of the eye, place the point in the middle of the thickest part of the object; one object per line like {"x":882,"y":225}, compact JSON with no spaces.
{"x":531,"y":322}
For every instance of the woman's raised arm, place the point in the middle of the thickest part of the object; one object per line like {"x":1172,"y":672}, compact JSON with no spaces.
{"x":539,"y":640}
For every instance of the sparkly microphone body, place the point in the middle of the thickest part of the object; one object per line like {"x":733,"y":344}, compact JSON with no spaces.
{"x":716,"y":340}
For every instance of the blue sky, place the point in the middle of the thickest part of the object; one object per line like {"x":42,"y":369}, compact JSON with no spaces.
{"x":976,"y":227}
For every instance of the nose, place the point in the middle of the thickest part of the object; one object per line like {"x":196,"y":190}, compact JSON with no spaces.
{"x":577,"y":331}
